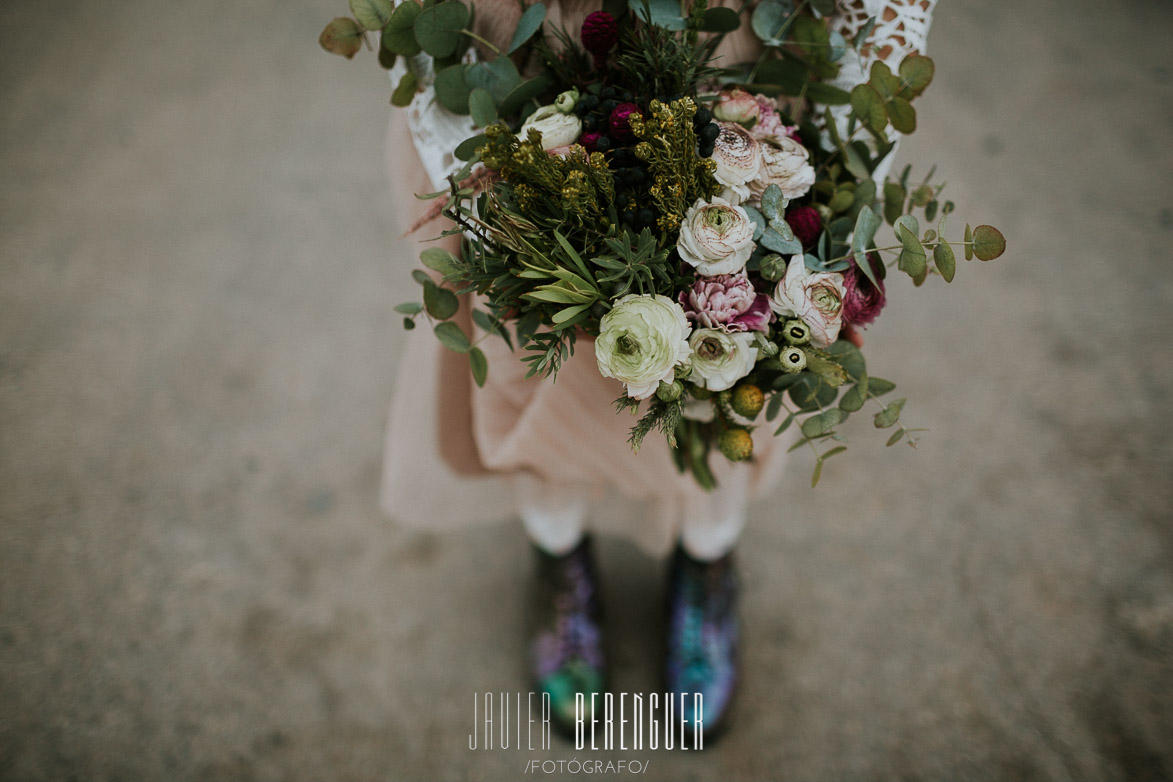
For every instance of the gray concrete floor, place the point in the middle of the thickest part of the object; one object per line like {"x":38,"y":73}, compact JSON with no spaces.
{"x":197,"y":351}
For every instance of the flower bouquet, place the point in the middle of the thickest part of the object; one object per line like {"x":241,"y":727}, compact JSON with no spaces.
{"x":710,"y":226}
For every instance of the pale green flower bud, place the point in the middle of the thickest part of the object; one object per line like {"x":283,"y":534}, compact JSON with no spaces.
{"x":566,"y":102}
{"x":670,"y":392}
{"x":796,"y":332}
{"x":792,"y":360}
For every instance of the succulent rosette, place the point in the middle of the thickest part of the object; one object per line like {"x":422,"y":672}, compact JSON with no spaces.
{"x":558,"y":128}
{"x":721,"y":358}
{"x":785,"y":163}
{"x":726,"y":301}
{"x":815,"y":298}
{"x":738,"y":157}
{"x":641,"y":340}
{"x":716,"y":237}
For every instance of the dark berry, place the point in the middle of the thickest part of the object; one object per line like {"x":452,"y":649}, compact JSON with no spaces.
{"x":604,"y":143}
{"x":703,"y":116}
{"x":708,"y":133}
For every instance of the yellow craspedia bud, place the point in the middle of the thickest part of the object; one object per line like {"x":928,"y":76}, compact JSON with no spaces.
{"x":748,"y":400}
{"x":736,"y":445}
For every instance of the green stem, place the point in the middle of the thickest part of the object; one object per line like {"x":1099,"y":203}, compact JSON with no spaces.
{"x":488,"y":44}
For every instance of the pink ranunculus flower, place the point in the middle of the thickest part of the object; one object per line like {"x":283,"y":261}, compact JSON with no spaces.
{"x":726,"y":301}
{"x":737,"y":105}
{"x":785,"y":163}
{"x":738,"y":156}
{"x":815,"y":298}
{"x":769,"y":121}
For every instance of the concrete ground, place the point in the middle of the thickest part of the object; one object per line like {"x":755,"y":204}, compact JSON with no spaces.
{"x":197,"y":350}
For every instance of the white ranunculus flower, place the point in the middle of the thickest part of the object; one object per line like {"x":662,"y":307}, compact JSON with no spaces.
{"x":716,"y":238}
{"x":738,"y":156}
{"x":785,"y":163}
{"x":641,"y":340}
{"x":721,"y":358}
{"x":815,"y":298}
{"x":557,"y":129}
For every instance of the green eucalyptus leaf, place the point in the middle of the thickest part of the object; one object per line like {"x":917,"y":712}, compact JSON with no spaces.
{"x":868,"y":107}
{"x":822,"y":423}
{"x":769,"y":18}
{"x":968,"y":243}
{"x":527,"y":25}
{"x":931,"y":210}
{"x":409,"y":308}
{"x":821,"y":92}
{"x":916,"y":71}
{"x":467,"y":149}
{"x":896,"y":437}
{"x":439,"y":29}
{"x":913,"y":261}
{"x":855,"y":160}
{"x":787,"y":74}
{"x":399,"y":34}
{"x":865,"y":231}
{"x":771,"y":202}
{"x":944,"y":260}
{"x":785,"y":423}
{"x":386,"y":58}
{"x":853,"y":399}
{"x":810,"y":393}
{"x":775,"y":241}
{"x":988,"y":242}
{"x":849,"y":357}
{"x":452,"y":337}
{"x":341,"y":36}
{"x":818,"y":473}
{"x":499,"y":77}
{"x":909,"y":223}
{"x":440,"y":303}
{"x":824,"y":7}
{"x":837,"y":45}
{"x":372,"y":14}
{"x":451,"y":88}
{"x":864,"y":32}
{"x":774,"y":406}
{"x":420,"y":276}
{"x":885,"y":82}
{"x":902,"y":115}
{"x":720,"y":20}
{"x":889,"y":415}
{"x":878,"y":386}
{"x":440,"y":260}
{"x":664,"y":13}
{"x":482,"y":107}
{"x":479,"y":365}
{"x":893,"y":202}
{"x":405,"y":92}
{"x":408,"y":324}
{"x":523,"y":94}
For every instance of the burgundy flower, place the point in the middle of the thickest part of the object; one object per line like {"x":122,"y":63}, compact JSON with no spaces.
{"x":806,"y":224}
{"x":620,"y":127}
{"x":863,"y":301}
{"x":726,"y":301}
{"x":589,"y":140}
{"x":599,"y":33}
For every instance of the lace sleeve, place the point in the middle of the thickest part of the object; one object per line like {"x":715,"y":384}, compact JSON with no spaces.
{"x":901,"y":28}
{"x":435,"y":131}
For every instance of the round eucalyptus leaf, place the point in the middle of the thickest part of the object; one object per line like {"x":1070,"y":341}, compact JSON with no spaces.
{"x":902,"y":115}
{"x":527,"y":25}
{"x":988,"y":242}
{"x":499,"y":77}
{"x":452,"y":90}
{"x":341,"y":36}
{"x":916,"y":71}
{"x":720,"y":20}
{"x":399,"y":34}
{"x":372,"y":14}
{"x":945,"y":261}
{"x":439,"y":29}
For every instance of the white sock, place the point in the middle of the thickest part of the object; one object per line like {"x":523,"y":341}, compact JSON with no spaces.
{"x":554,"y":514}
{"x":712,"y":525}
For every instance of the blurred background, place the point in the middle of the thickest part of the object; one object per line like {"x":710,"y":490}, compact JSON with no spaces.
{"x":198,"y":260}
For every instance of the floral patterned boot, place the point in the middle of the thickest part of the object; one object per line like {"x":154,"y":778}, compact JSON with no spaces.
{"x":702,"y":638}
{"x":566,"y":647}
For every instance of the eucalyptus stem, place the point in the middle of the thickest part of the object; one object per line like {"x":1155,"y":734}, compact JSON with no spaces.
{"x":486,"y":43}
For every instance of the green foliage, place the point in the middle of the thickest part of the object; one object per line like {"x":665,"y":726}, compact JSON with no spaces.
{"x":440,"y":29}
{"x":342,"y":36}
{"x":988,"y":242}
{"x":529,"y":23}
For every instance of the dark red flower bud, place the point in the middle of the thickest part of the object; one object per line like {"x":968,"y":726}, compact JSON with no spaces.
{"x":619,"y":123}
{"x":863,"y":301}
{"x":589,"y":140}
{"x":806,"y":224}
{"x":599,"y":33}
